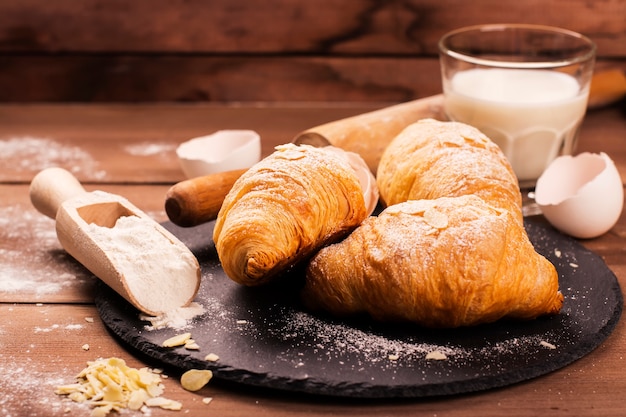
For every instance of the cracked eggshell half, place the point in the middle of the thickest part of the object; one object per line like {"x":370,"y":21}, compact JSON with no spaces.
{"x":581,"y":195}
{"x":224,"y":150}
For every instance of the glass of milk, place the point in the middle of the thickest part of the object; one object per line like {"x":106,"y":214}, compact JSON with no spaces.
{"x":524,"y":86}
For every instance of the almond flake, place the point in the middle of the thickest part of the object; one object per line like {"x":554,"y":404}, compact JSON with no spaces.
{"x":547,"y":344}
{"x":191,"y":345}
{"x":436,"y":356}
{"x":178,"y":340}
{"x":109,"y":385}
{"x":164,"y":403}
{"x":290,"y":152}
{"x":195,"y":379}
{"x":435,"y":218}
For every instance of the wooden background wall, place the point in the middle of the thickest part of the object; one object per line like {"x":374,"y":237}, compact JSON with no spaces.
{"x":252,"y":50}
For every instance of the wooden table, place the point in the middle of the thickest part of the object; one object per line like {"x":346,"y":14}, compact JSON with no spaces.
{"x":46,"y":299}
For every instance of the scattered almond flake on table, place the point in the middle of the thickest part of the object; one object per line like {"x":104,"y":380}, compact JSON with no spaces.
{"x":195,"y":379}
{"x":547,"y":344}
{"x":108,"y":384}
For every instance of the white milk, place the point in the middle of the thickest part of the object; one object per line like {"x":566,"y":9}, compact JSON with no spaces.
{"x":533,"y":115}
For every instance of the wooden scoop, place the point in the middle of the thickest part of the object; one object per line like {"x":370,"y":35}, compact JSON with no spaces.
{"x":118,"y":243}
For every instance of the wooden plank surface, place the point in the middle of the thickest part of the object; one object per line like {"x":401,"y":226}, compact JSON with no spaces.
{"x":141,"y":140}
{"x":356,"y":27}
{"x":140,"y":78}
{"x":278,"y":50}
{"x":45,"y":296}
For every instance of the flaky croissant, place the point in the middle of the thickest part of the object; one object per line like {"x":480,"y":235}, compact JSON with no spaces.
{"x":431,"y":159}
{"x":449,"y":262}
{"x":450,"y":249}
{"x":286,"y":207}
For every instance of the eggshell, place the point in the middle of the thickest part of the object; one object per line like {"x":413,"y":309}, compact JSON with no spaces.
{"x":224,"y":150}
{"x":363,"y":172}
{"x":581,"y":195}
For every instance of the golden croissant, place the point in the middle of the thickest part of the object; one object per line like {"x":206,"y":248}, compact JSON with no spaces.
{"x":285,"y":208}
{"x":431,"y":159}
{"x":449,"y":262}
{"x":450,"y":249}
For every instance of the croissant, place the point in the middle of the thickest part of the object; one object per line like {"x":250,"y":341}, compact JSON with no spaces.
{"x":286,"y":207}
{"x":449,"y":250}
{"x":448,"y":262}
{"x":431,"y":159}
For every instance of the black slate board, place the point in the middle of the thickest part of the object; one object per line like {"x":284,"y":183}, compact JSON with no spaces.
{"x":263,"y":337}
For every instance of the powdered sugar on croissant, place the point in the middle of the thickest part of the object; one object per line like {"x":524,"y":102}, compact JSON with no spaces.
{"x":449,"y":262}
{"x":450,"y":249}
{"x":285,"y":208}
{"x":431,"y":159}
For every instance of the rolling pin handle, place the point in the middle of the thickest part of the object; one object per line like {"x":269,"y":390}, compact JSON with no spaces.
{"x":51,"y":187}
{"x":198,"y":200}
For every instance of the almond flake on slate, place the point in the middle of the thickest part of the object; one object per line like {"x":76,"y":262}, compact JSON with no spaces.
{"x":178,"y":340}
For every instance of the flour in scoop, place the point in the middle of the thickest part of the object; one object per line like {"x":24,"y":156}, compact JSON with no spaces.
{"x":161,"y":274}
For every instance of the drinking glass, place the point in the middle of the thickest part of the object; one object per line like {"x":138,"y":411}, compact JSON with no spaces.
{"x":524,"y":86}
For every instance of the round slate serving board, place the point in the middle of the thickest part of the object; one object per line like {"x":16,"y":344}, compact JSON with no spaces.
{"x":264,"y":338}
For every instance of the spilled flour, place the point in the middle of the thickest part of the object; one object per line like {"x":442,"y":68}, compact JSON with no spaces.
{"x":179,"y":318}
{"x":40,"y":269}
{"x":150,"y":149}
{"x":29,"y":153}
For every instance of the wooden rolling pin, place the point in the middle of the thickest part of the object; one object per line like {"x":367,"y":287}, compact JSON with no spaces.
{"x":368,"y":134}
{"x":140,"y":260}
{"x":198,"y":200}
{"x":607,"y":87}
